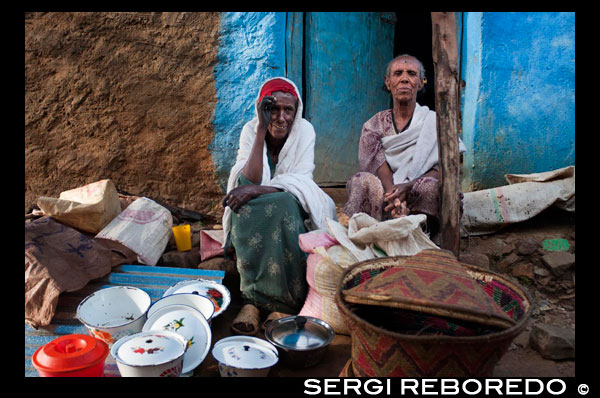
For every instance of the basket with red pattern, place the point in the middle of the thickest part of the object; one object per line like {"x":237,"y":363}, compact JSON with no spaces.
{"x":428,"y":315}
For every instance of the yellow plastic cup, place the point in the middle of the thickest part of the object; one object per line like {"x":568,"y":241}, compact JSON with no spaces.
{"x":183,"y":237}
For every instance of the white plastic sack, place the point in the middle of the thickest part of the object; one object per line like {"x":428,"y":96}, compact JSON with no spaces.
{"x":397,"y":237}
{"x":88,"y":208}
{"x":144,"y":227}
{"x":489,"y":210}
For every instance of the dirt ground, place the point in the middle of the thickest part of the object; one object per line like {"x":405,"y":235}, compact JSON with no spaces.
{"x":551,"y":305}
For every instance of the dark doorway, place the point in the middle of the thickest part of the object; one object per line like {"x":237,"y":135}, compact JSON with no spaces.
{"x":413,"y":36}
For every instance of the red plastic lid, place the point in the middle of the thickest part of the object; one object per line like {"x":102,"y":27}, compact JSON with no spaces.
{"x":69,"y":353}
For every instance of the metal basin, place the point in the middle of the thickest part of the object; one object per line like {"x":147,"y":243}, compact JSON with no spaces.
{"x":302,"y":341}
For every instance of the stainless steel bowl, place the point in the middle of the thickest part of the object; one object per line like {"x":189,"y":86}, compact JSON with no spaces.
{"x":302,"y":341}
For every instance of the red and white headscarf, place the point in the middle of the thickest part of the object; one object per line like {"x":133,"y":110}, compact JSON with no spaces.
{"x":276,"y":85}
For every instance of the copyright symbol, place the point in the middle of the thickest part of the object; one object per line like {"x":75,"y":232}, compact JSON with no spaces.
{"x":583,"y":389}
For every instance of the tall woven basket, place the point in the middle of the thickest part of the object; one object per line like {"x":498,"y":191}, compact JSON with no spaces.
{"x":428,"y":315}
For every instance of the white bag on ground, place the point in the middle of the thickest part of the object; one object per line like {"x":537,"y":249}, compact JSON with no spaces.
{"x":88,"y":208}
{"x":489,"y":210}
{"x":397,"y":237}
{"x":144,"y":227}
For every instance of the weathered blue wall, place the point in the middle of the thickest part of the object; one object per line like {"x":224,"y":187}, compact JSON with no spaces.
{"x":518,"y":106}
{"x":251,"y":50}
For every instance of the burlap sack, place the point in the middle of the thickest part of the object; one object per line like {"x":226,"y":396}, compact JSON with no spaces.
{"x":60,"y":259}
{"x":89,"y":208}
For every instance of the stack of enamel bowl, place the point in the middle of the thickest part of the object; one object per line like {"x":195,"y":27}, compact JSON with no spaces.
{"x":174,"y":330}
{"x":189,"y":323}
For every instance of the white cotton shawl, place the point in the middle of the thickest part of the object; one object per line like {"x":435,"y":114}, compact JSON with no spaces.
{"x":293,"y":172}
{"x":414,"y":152}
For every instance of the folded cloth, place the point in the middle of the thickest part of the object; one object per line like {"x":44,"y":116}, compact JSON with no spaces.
{"x":314,"y":239}
{"x":211,"y":242}
{"x":59,"y":259}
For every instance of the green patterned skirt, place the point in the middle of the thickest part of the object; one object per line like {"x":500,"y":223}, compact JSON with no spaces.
{"x":272,"y":267}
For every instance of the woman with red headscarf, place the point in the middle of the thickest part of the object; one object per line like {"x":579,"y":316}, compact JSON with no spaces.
{"x":271,"y":199}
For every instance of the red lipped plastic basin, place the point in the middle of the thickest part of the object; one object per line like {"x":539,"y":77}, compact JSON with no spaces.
{"x":73,"y":355}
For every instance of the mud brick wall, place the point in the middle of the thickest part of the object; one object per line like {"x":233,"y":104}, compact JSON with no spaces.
{"x":125,"y":96}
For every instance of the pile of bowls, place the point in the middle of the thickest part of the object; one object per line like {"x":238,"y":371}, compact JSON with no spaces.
{"x":216,"y":292}
{"x":302,"y":341}
{"x":244,"y":356}
{"x":175,"y":329}
{"x":196,"y":301}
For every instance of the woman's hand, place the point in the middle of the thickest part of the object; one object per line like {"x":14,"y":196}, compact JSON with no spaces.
{"x":400,"y":209}
{"x":396,"y":200}
{"x":239,"y":196}
{"x":264,"y":111}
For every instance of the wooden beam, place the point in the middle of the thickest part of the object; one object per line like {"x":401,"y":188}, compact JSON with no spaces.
{"x":445,"y":62}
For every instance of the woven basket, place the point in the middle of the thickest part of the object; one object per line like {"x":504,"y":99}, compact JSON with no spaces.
{"x":428,"y":315}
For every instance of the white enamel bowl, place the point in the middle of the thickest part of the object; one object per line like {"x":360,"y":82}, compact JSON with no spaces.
{"x":200,"y":303}
{"x":114,"y":312}
{"x":150,"y":354}
{"x":217,"y":292}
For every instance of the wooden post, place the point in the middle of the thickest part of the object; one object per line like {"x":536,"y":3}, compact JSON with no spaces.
{"x":445,"y":62}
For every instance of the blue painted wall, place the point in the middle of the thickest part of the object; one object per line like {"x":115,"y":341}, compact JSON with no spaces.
{"x":518,"y":105}
{"x":251,"y":50}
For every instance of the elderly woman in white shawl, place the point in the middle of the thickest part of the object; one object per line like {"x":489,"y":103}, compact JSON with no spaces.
{"x":271,"y":199}
{"x":398,"y":154}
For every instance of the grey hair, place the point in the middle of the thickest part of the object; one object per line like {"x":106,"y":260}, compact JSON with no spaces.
{"x":421,"y":67}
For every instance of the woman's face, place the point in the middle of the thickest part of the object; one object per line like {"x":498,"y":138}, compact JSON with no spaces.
{"x":283,"y":113}
{"x":404,"y":81}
